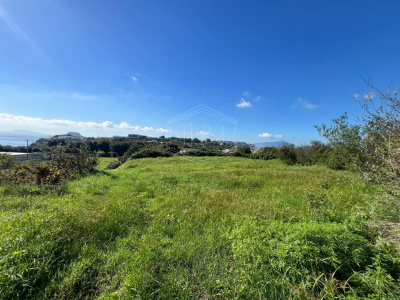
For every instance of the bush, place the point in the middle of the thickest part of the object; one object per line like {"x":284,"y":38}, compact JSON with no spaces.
{"x":201,"y":152}
{"x":308,"y":155}
{"x":60,"y":166}
{"x":243,"y":151}
{"x":7,"y":163}
{"x":113,"y":165}
{"x":335,"y":159}
{"x":303,"y":155}
{"x":265,"y":153}
{"x":287,"y":153}
{"x":345,"y":143}
{"x":150,"y":153}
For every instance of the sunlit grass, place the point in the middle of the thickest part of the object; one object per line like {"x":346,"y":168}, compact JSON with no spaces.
{"x":177,"y":228}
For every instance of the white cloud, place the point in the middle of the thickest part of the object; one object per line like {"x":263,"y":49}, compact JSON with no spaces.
{"x":243,"y":103}
{"x":125,"y":125}
{"x":246,"y":93}
{"x":355,"y":96}
{"x":258,"y":98}
{"x":162,"y":130}
{"x":134,"y":79}
{"x":309,"y":105}
{"x":270,"y":136}
{"x":79,"y":96}
{"x":11,"y":119}
{"x":205,"y":134}
{"x":304,"y":104}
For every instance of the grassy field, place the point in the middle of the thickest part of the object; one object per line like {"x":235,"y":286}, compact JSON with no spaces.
{"x":206,"y":228}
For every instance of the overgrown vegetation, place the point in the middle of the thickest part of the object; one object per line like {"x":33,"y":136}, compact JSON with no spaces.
{"x":319,"y":222}
{"x":177,"y":228}
{"x":58,"y":168}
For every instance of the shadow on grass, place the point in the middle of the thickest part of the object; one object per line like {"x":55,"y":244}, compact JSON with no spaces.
{"x":102,"y":172}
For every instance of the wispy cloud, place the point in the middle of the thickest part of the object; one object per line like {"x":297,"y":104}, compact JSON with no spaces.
{"x":270,"y":136}
{"x":134,"y":79}
{"x":355,"y":96}
{"x":11,"y":119}
{"x":303,"y":103}
{"x":247,"y":94}
{"x":204,"y":134}
{"x":243,"y":103}
{"x":79,"y":96}
{"x":18,"y":32}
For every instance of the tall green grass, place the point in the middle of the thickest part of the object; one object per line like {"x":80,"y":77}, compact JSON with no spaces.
{"x":206,"y":228}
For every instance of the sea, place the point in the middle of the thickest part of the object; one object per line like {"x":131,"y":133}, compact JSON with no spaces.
{"x":16,"y":141}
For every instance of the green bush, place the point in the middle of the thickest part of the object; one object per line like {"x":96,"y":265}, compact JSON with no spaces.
{"x":60,"y":166}
{"x":308,"y":155}
{"x":265,"y":153}
{"x":242,"y":151}
{"x":150,"y":153}
{"x":200,"y":152}
{"x":113,"y":165}
{"x":335,"y":159}
{"x":287,"y":153}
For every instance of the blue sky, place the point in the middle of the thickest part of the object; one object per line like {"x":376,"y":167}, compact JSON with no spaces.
{"x":107,"y":68}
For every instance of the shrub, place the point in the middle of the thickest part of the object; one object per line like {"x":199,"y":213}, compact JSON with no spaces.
{"x":345,"y":143}
{"x":310,"y":154}
{"x":265,"y":153}
{"x":287,"y":153}
{"x":201,"y":152}
{"x":243,"y":151}
{"x":335,"y":159}
{"x":59,"y":167}
{"x":303,"y":155}
{"x":113,"y":165}
{"x":7,"y":161}
{"x":150,"y":153}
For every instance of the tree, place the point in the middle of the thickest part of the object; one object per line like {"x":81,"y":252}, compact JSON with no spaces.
{"x":287,"y":153}
{"x":373,"y":146}
{"x":344,"y":143}
{"x":243,"y":151}
{"x":380,"y":117}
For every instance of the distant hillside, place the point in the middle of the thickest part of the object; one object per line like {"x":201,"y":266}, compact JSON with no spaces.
{"x":268,"y":144}
{"x":23,"y":133}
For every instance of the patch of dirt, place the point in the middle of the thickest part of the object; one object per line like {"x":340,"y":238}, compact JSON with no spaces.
{"x":390,"y":231}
